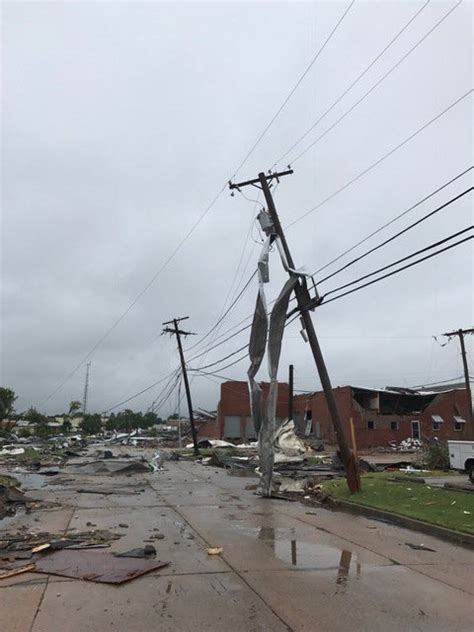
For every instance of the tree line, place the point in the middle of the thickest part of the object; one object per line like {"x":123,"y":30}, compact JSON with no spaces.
{"x":124,"y":421}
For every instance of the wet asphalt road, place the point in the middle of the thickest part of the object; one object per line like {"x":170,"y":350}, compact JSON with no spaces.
{"x":284,"y":566}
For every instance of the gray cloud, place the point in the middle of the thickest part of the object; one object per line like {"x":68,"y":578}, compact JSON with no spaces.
{"x":121,"y":121}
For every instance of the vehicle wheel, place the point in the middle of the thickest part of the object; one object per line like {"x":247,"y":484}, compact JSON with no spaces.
{"x":470,"y":471}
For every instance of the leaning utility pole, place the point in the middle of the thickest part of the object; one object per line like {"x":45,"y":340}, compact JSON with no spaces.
{"x":461,"y":333}
{"x":86,"y":390}
{"x":305,"y":304}
{"x":178,"y":333}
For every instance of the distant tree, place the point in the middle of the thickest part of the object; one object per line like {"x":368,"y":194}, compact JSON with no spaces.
{"x":33,"y":416}
{"x":7,"y":400}
{"x":91,"y":424}
{"x":111,"y":423}
{"x":173,"y":416}
{"x":149,"y":419}
{"x":74,"y":406}
{"x":127,"y":420}
{"x":67,"y":425}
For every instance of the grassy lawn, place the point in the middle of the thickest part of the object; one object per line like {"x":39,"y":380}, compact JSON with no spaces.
{"x":435,"y":505}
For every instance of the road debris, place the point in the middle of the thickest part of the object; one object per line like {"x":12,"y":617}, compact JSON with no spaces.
{"x":420,"y":547}
{"x":216,"y":550}
{"x":90,"y":566}
{"x":143,"y":552}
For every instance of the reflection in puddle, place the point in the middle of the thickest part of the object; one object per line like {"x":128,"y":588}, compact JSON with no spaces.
{"x":343,"y":572}
{"x":306,"y":555}
{"x":293,"y":552}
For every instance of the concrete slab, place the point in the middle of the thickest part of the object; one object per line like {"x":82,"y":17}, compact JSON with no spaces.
{"x":186,"y":604}
{"x":369,"y":599}
{"x":18,"y":605}
{"x":181,"y":544}
{"x":456,"y":575}
{"x":271,"y":540}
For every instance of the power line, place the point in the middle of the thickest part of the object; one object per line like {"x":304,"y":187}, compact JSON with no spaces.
{"x":139,"y":295}
{"x":393,"y":237}
{"x":170,"y":392}
{"x":296,"y":316}
{"x":397,"y":217}
{"x":201,"y":217}
{"x":382,"y":158}
{"x":341,"y":118}
{"x":228,"y":310}
{"x":148,"y":388}
{"x":246,"y":327}
{"x":355,"y":82}
{"x":394,"y":263}
{"x":293,"y":90}
{"x":389,"y":274}
{"x":156,"y":403}
{"x":230,"y":355}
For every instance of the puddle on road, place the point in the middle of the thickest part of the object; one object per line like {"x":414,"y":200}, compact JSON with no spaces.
{"x":301,"y":554}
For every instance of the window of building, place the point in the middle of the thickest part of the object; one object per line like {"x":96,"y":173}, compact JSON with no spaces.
{"x":458,"y":423}
{"x":371,"y":425}
{"x":394,"y":425}
{"x":436,"y":421}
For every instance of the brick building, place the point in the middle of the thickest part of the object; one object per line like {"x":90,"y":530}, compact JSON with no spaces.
{"x":393,"y":414}
{"x":234,"y":418}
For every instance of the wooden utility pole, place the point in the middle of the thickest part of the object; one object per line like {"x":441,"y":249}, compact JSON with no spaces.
{"x":461,"y":333}
{"x":86,"y":390}
{"x":290,"y":392}
{"x":305,"y":304}
{"x":176,"y":331}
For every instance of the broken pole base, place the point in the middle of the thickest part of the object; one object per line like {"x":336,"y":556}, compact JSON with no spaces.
{"x":352,"y":474}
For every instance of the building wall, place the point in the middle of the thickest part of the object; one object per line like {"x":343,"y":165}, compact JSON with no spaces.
{"x":446,"y":405}
{"x":234,"y":405}
{"x":208,"y":429}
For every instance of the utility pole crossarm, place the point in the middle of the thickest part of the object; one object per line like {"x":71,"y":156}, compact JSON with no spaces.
{"x":269,"y":177}
{"x":460,"y":333}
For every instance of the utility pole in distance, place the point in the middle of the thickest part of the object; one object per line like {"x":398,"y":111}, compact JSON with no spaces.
{"x":305,"y":304}
{"x":176,"y":331}
{"x":86,"y":389}
{"x":461,"y":333}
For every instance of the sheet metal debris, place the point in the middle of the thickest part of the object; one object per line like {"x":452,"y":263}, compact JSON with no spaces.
{"x":90,"y":566}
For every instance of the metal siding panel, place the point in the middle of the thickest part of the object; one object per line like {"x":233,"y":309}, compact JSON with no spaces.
{"x":231,"y":427}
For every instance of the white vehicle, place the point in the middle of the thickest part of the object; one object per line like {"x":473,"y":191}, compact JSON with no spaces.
{"x":461,"y":457}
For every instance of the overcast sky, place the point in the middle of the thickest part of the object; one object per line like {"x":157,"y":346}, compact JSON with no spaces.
{"x":122,"y":121}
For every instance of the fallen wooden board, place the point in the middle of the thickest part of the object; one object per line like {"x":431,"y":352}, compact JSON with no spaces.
{"x":17,"y":571}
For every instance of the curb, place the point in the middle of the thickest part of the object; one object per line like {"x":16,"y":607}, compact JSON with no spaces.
{"x":448,"y":535}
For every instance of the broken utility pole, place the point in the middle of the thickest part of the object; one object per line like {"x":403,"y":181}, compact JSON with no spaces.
{"x":305,"y":304}
{"x":178,"y":333}
{"x":461,"y":333}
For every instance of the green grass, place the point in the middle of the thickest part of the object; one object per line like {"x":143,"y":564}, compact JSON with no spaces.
{"x":435,"y":505}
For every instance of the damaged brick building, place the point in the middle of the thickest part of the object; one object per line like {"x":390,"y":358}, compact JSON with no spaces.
{"x":392,"y":414}
{"x":233,"y":412}
{"x":379,"y":415}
